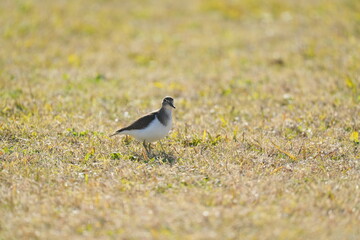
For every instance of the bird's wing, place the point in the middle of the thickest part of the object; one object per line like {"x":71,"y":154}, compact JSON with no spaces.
{"x":141,"y":123}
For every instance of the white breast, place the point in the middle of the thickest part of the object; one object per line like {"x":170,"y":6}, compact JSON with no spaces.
{"x":154,"y":132}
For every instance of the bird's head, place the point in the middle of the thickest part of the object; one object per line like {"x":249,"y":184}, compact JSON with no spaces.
{"x":168,"y":102}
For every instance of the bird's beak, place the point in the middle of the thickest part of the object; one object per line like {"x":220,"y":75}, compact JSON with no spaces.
{"x":172,"y":105}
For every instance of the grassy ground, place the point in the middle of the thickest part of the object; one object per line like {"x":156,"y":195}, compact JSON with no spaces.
{"x":265,"y":142}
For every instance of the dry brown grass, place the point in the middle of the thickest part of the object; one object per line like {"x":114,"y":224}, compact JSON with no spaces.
{"x":265,"y":142}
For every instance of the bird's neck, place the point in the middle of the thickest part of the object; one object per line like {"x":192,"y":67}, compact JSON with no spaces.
{"x":165,"y":115}
{"x":165,"y":111}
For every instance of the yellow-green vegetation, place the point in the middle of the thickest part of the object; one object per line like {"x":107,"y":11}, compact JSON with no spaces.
{"x":265,"y":143}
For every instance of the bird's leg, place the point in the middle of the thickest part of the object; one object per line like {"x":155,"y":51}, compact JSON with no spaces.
{"x":147,"y":151}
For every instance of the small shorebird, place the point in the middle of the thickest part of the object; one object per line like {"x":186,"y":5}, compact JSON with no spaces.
{"x":151,"y":127}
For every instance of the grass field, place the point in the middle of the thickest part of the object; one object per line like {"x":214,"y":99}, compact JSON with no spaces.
{"x":265,"y":143}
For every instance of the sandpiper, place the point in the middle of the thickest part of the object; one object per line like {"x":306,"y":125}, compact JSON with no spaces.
{"x":151,"y":127}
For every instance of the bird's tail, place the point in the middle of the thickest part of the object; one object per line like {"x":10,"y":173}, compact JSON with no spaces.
{"x":116,"y":133}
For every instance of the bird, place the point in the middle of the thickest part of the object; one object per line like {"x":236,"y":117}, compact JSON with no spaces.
{"x":151,"y":127}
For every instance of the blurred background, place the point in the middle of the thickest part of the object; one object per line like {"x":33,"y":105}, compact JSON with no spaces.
{"x":266,"y":129}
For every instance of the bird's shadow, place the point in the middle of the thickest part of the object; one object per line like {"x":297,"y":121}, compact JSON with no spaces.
{"x":154,"y":158}
{"x":166,"y":158}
